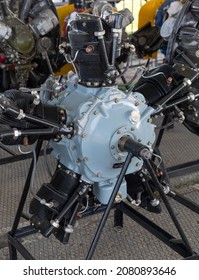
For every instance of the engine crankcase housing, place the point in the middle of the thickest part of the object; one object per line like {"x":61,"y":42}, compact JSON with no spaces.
{"x":101,"y":117}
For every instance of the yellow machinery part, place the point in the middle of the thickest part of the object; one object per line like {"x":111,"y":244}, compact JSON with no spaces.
{"x":63,"y":12}
{"x":147,"y":14}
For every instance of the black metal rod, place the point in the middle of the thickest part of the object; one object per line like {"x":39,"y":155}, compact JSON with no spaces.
{"x":25,"y":231}
{"x":64,"y":211}
{"x":9,"y":151}
{"x":118,"y":218}
{"x":168,"y":206}
{"x":14,"y":158}
{"x":122,"y":76}
{"x":15,"y":112}
{"x":178,"y":101}
{"x":181,"y":169}
{"x":161,"y":132}
{"x":184,"y":201}
{"x":162,"y":103}
{"x":20,"y":248}
{"x":109,"y":207}
{"x":154,"y":229}
{"x":186,"y":58}
{"x":12,"y":249}
{"x":25,"y":191}
{"x":169,"y":96}
{"x":174,"y":195}
{"x":148,"y":188}
{"x":68,"y":206}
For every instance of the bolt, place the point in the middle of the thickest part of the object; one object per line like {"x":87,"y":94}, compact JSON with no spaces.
{"x":169,"y":80}
{"x":119,"y":158}
{"x":96,"y":113}
{"x":89,"y":49}
{"x":112,"y":147}
{"x":85,"y":159}
{"x":118,"y":132}
{"x":138,"y":164}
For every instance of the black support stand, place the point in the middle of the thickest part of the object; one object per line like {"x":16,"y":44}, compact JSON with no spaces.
{"x":182,"y":246}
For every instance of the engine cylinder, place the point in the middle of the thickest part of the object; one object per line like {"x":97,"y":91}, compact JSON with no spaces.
{"x":57,"y":193}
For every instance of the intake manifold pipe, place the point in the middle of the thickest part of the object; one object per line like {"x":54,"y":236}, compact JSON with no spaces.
{"x":137,"y":149}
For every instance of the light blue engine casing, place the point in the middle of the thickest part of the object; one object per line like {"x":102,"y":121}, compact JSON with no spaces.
{"x":101,"y":116}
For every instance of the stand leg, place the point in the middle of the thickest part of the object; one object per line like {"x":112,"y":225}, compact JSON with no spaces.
{"x":12,"y":233}
{"x":12,"y":251}
{"x":109,"y":207}
{"x":118,"y":219}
